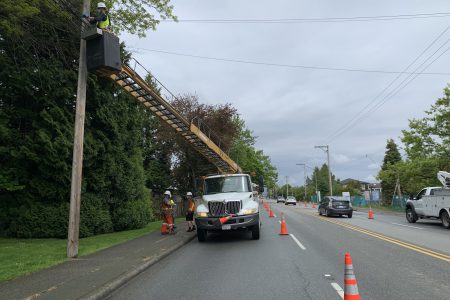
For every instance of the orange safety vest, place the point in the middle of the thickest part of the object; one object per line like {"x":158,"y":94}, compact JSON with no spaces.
{"x":191,"y":205}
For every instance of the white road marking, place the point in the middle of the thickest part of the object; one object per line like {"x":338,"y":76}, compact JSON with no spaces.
{"x":279,"y":221}
{"x":407,"y":226}
{"x":338,"y":289}
{"x":297,"y":241}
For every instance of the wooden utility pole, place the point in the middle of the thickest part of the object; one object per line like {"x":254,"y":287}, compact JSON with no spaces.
{"x":77,"y":160}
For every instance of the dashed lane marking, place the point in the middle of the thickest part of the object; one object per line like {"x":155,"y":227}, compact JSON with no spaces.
{"x":297,"y":241}
{"x":338,"y":289}
{"x":388,"y":239}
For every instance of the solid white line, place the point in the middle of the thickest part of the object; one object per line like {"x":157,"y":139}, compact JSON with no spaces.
{"x":338,"y":289}
{"x":297,"y":241}
{"x":407,"y":226}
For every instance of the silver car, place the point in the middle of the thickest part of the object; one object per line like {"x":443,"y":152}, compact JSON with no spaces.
{"x":280,"y":199}
{"x":290,"y":200}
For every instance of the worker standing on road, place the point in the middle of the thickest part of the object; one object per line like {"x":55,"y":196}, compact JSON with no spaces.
{"x":190,"y":212}
{"x":102,"y":19}
{"x":167,"y":225}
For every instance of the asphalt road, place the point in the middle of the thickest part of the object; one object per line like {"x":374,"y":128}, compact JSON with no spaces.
{"x":307,"y":265}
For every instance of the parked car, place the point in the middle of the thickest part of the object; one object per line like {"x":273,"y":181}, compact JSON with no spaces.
{"x":290,"y":200}
{"x":281,"y":199}
{"x":333,"y":205}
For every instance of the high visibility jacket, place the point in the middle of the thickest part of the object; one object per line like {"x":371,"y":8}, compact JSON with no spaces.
{"x":104,"y":24}
{"x":191,"y":205}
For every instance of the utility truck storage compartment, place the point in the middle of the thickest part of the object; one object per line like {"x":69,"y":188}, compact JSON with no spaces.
{"x":103,"y":53}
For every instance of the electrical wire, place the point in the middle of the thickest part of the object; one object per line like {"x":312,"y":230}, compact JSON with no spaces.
{"x":314,"y":20}
{"x":362,"y":113}
{"x":284,"y":65}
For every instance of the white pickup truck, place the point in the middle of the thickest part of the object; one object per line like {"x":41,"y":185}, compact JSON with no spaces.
{"x":228,"y":203}
{"x":431,"y":203}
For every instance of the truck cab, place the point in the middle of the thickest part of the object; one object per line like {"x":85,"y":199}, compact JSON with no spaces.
{"x":228,"y":203}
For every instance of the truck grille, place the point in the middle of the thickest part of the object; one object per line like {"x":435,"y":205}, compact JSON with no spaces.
{"x":217,"y":208}
{"x":341,"y":204}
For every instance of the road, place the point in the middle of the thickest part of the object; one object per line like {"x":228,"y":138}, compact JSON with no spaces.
{"x":308,"y":264}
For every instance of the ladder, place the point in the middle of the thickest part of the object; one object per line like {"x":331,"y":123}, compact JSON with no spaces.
{"x":139,"y":89}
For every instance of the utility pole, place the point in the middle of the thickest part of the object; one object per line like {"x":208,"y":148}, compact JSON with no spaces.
{"x":304,"y":176}
{"x":327,"y":147}
{"x":287,"y":187}
{"x":77,"y":160}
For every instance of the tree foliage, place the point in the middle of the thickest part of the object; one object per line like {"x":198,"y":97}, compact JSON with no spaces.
{"x":138,"y":16}
{"x":427,"y":149}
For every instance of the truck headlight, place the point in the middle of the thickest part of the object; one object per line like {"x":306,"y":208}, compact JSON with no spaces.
{"x":202,"y":214}
{"x":249,"y":211}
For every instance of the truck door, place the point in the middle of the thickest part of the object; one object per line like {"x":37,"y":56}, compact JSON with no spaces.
{"x":418,"y":203}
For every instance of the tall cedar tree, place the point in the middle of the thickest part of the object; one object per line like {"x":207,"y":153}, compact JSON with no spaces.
{"x":392,"y":156}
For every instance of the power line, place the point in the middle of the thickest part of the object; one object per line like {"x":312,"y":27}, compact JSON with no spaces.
{"x":364,"y":112}
{"x":315,"y":20}
{"x":233,"y":60}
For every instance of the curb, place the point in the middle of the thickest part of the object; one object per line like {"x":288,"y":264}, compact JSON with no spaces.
{"x":113,"y":285}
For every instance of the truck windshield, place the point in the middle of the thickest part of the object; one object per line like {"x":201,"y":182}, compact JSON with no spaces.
{"x":229,"y":184}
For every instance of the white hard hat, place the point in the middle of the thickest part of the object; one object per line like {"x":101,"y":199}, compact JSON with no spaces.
{"x":189,"y":194}
{"x":101,"y":5}
{"x":167,"y":193}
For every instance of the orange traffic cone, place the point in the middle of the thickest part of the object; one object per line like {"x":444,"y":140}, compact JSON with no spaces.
{"x":223,"y":220}
{"x":306,"y":204}
{"x":271,"y":215}
{"x":350,"y":284}
{"x":313,"y":205}
{"x":370,"y":214}
{"x":283,"y":230}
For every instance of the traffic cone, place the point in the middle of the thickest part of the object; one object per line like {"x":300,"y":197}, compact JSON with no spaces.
{"x":271,"y":215}
{"x":313,"y":205}
{"x":223,"y":220}
{"x":350,"y":284}
{"x":370,"y":214}
{"x":283,"y":230}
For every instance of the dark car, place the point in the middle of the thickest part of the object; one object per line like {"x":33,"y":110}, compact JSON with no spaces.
{"x":338,"y":206}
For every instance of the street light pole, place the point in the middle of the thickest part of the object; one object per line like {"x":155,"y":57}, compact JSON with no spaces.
{"x":304,"y":176}
{"x":287,"y":187}
{"x":327,"y":147}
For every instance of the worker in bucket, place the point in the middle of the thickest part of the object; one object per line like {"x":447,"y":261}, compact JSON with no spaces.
{"x":190,"y":212}
{"x":167,"y":225}
{"x":102,"y":19}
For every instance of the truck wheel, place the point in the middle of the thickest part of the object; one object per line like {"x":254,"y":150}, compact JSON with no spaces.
{"x":350,"y":215}
{"x":411,"y":215}
{"x":255,"y":232}
{"x":445,"y":219}
{"x":201,"y":235}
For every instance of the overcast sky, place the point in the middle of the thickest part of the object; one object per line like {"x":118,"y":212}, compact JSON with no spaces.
{"x":293,"y":109}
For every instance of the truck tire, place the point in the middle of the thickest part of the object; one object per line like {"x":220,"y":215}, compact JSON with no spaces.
{"x":256,"y":232}
{"x":350,"y":215}
{"x":201,"y":235}
{"x":411,"y":215}
{"x":445,"y":219}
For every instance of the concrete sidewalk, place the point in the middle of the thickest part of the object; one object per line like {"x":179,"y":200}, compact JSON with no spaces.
{"x":96,"y":275}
